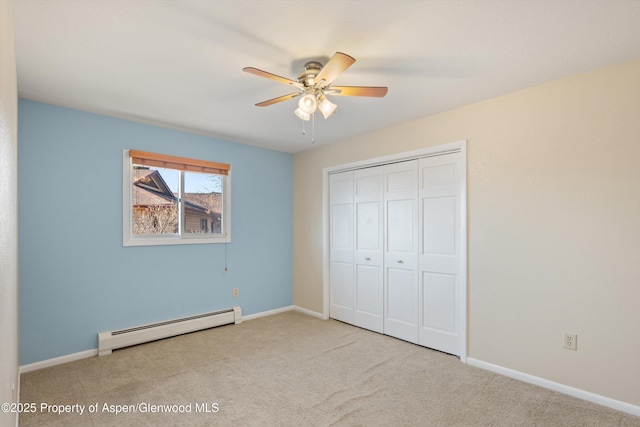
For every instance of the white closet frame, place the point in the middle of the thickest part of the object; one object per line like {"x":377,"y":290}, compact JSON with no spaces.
{"x":454,"y":147}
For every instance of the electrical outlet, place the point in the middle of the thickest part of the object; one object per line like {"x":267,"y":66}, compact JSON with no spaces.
{"x":235,"y":292}
{"x":570,"y":341}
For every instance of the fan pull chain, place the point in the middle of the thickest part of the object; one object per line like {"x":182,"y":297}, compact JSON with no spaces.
{"x":313,"y":128}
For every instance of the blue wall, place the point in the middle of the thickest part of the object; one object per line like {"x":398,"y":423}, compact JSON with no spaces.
{"x":76,"y":278}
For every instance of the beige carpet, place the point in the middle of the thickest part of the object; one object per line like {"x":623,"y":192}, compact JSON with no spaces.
{"x":291,"y":369}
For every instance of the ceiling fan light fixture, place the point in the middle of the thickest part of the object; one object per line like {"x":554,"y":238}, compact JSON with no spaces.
{"x":304,"y":116}
{"x":326,"y":107}
{"x":308,"y":104}
{"x":314,"y":83}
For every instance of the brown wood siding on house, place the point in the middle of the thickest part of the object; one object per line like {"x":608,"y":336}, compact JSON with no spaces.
{"x":212,"y":202}
{"x":193,"y":223}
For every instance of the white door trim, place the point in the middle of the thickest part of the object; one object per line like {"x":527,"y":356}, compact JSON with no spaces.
{"x":460,"y":146}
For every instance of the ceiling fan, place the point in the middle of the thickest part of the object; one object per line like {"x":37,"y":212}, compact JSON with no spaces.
{"x":314,"y":83}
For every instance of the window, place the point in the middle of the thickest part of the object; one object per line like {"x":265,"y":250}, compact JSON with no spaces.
{"x":172,"y":200}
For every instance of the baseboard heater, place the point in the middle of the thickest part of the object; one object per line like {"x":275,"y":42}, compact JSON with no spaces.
{"x":112,"y":340}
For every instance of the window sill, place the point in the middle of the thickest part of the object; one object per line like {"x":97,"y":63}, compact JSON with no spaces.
{"x":160,"y":241}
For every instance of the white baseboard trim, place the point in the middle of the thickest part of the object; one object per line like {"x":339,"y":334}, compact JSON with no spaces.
{"x":561,"y":388}
{"x":267,"y":313}
{"x":58,"y":360}
{"x":309,"y":312}
{"x":282,"y":310}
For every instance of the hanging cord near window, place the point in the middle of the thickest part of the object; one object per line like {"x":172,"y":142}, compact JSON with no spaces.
{"x":226,"y":266}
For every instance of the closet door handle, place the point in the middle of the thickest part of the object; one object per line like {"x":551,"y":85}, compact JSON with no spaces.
{"x":367,"y":259}
{"x":400,"y":261}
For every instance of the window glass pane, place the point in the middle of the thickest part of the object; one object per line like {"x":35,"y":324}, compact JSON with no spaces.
{"x":203,"y":203}
{"x":154,"y":200}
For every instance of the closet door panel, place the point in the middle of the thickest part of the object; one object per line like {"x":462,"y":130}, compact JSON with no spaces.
{"x":400,"y":294}
{"x":369,"y":296}
{"x":401,"y":250}
{"x":342,"y":291}
{"x":439,"y":301}
{"x":400,"y":226}
{"x":441,"y":290}
{"x":368,"y":193}
{"x":341,"y":279}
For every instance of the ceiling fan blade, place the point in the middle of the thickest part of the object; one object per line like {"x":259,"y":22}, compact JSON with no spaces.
{"x":278,"y":99}
{"x":373,"y":91}
{"x":332,"y":69}
{"x":271,"y":76}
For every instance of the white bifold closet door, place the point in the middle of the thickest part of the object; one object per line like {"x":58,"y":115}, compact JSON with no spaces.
{"x":341,"y":247}
{"x":395,"y":250}
{"x":401,"y":250}
{"x":368,"y":257}
{"x":442,"y":290}
{"x":356,"y":245}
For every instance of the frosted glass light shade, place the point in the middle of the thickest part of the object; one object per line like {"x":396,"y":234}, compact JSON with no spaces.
{"x":326,"y":107}
{"x":308,"y":103}
{"x":303,"y":115}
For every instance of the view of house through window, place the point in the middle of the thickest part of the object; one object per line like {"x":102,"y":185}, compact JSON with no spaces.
{"x":174,"y":200}
{"x":156,"y":201}
{"x":203,"y":203}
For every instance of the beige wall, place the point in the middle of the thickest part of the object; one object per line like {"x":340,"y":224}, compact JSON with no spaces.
{"x":8,"y":215}
{"x":553,"y":218}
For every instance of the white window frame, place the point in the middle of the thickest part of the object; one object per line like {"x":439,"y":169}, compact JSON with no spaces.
{"x":180,"y":238}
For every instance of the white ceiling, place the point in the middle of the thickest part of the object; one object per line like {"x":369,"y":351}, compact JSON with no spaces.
{"x":178,"y":63}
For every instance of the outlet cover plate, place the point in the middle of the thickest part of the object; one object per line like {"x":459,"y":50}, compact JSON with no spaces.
{"x":570,"y":341}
